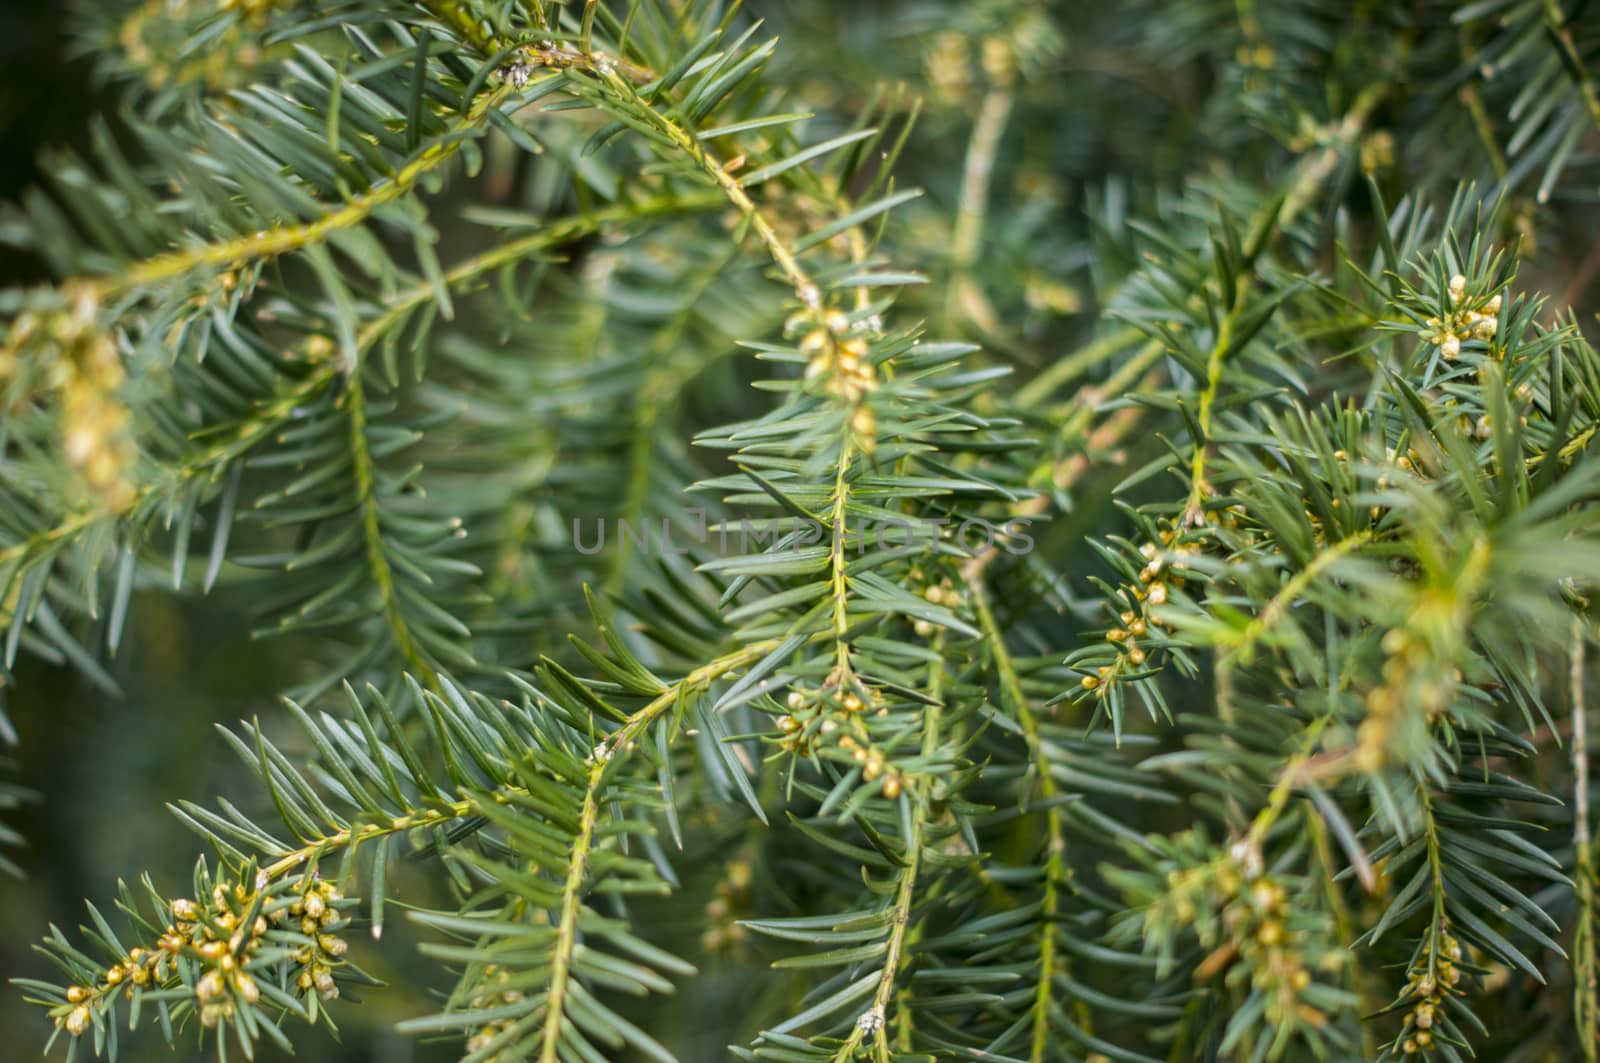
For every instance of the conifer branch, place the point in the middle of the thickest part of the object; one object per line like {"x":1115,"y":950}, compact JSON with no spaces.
{"x":787,"y":261}
{"x":270,"y":416}
{"x":366,"y":474}
{"x":239,"y":252}
{"x":567,"y":920}
{"x":1310,"y":175}
{"x":874,"y":1023}
{"x":246,"y":436}
{"x":1055,"y":867}
{"x":620,"y":742}
{"x":1585,"y":965}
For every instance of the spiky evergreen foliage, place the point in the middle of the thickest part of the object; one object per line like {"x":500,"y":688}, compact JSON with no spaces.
{"x":1256,"y":732}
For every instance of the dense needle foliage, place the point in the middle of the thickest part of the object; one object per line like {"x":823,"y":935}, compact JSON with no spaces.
{"x":1021,"y":533}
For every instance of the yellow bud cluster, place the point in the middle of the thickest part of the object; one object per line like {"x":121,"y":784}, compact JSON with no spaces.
{"x":495,"y":990}
{"x":151,"y":37}
{"x":817,"y":715}
{"x":843,"y":362}
{"x":318,"y":917}
{"x":1163,"y":572}
{"x":1243,"y":916}
{"x":1408,"y":682}
{"x":948,"y":67}
{"x":723,"y":932}
{"x":804,"y":707}
{"x":217,"y":932}
{"x":1377,"y":151}
{"x":874,"y":766}
{"x":77,"y":1020}
{"x":249,"y":8}
{"x":941,"y":593}
{"x":86,"y":375}
{"x":1258,"y":54}
{"x":1464,"y":319}
{"x":1436,"y":976}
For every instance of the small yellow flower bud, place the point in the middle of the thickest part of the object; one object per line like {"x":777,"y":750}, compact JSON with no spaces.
{"x":209,"y":987}
{"x":78,"y":1021}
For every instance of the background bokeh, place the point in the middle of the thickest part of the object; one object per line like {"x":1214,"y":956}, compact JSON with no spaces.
{"x":1117,"y":109}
